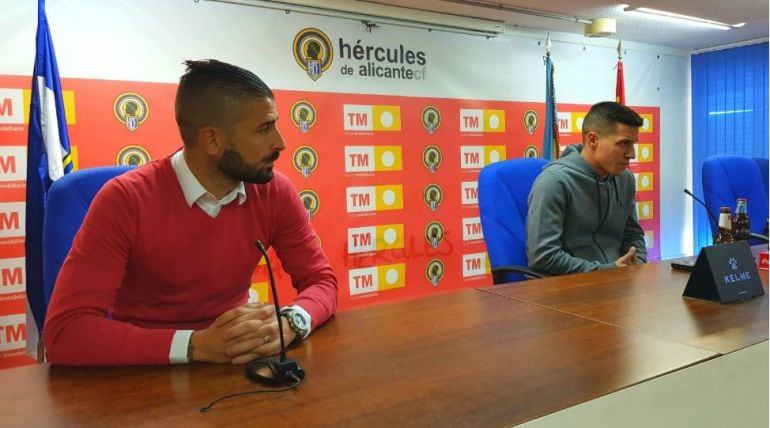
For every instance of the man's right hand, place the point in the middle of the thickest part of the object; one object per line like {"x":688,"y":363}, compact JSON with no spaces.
{"x":627,"y":259}
{"x":221,"y":342}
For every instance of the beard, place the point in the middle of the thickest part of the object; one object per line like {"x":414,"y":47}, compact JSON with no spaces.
{"x":234,"y":166}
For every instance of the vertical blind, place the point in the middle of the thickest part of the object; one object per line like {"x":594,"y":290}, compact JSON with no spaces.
{"x":729,"y":114}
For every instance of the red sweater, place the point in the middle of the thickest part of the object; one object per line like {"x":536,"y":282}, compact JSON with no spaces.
{"x":144,"y":264}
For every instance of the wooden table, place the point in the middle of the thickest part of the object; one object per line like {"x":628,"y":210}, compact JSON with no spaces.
{"x":730,"y":390}
{"x":467,"y":358}
{"x":648,"y":298}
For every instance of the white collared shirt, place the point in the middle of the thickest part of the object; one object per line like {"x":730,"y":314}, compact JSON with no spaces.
{"x":195,"y":193}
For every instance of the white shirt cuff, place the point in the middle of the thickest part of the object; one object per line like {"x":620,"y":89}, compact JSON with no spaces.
{"x":178,"y":352}
{"x":304,"y":314}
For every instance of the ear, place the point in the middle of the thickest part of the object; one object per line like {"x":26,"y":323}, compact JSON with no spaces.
{"x":592,"y":140}
{"x":211,"y":140}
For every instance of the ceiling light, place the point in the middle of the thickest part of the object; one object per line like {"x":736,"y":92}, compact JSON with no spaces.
{"x":600,"y":27}
{"x":682,"y":19}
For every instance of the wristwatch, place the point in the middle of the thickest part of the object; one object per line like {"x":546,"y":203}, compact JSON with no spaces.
{"x":297,"y":322}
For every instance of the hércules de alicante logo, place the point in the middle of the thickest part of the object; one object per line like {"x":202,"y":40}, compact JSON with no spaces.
{"x":531,"y":152}
{"x":434,"y":233}
{"x":303,"y":115}
{"x":531,"y":121}
{"x":431,"y":119}
{"x":305,"y":160}
{"x":431,"y":158}
{"x":131,"y":109}
{"x":133,"y":155}
{"x":433,"y":195}
{"x":434,"y":271}
{"x":311,"y":202}
{"x":313,"y":52}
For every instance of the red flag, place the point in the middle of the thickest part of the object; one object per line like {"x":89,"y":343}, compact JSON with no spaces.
{"x":620,"y":87}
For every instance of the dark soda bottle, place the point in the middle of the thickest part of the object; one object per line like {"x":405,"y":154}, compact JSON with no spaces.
{"x":741,"y":224}
{"x":724,"y":234}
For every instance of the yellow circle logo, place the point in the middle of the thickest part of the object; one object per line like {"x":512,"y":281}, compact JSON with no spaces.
{"x":305,"y":160}
{"x":434,"y":271}
{"x":313,"y":52}
{"x":303,"y":116}
{"x":311,"y":202}
{"x":133,"y":155}
{"x":131,"y":110}
{"x":431,"y":119}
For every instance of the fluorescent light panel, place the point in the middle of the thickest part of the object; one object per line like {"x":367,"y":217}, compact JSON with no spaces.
{"x":679,"y":18}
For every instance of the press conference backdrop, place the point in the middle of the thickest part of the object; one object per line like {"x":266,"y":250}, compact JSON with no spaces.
{"x":387,"y":172}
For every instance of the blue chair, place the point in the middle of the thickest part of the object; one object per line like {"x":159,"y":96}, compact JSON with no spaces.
{"x":762,"y":163}
{"x":68,"y":200}
{"x":727,"y":178}
{"x":503,"y":193}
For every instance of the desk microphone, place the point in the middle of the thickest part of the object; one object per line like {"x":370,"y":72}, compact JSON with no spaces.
{"x":281,"y":370}
{"x":713,"y":217}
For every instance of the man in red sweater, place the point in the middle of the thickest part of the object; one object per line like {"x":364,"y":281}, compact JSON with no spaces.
{"x":160,"y":270}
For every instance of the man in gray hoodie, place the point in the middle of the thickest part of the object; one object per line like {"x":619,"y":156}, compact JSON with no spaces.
{"x":582,"y":208}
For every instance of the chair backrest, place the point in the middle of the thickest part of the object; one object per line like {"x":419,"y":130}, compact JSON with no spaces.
{"x":762,"y":163}
{"x":503,"y":192}
{"x":68,"y":200}
{"x":727,"y":178}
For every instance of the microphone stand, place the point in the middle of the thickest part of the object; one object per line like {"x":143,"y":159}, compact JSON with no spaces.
{"x":711,"y":215}
{"x":272,"y":370}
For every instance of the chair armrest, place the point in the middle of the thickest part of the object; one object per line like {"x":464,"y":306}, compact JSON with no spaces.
{"x":759,"y":237}
{"x":499,"y":273}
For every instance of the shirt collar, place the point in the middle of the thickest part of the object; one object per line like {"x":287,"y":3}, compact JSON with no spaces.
{"x":192,"y":188}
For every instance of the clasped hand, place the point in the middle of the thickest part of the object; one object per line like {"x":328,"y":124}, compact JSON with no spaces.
{"x":627,"y":259}
{"x":241,"y":335}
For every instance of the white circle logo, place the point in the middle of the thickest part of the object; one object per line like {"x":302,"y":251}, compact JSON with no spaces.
{"x":391,"y":277}
{"x":390,"y":236}
{"x":494,"y":121}
{"x":386,"y":119}
{"x":389,"y":197}
{"x":388,"y":159}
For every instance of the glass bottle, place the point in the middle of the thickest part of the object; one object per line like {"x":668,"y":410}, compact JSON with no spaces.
{"x":724,"y":234}
{"x":741,"y":224}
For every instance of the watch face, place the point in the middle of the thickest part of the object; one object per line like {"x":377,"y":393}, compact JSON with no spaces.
{"x":298,"y":321}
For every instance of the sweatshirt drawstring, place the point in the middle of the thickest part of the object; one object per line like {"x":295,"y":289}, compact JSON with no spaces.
{"x":602,"y":218}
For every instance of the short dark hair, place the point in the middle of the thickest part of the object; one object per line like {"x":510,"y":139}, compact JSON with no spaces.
{"x":209,"y":94}
{"x":604,"y":116}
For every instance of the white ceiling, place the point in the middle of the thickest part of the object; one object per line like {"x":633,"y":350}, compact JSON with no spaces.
{"x":630,"y":27}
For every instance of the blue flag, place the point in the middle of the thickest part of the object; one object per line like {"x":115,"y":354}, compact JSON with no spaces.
{"x":48,"y":159}
{"x":550,"y":149}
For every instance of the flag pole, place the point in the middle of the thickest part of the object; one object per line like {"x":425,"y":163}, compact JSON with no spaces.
{"x":620,"y":87}
{"x":48,"y":159}
{"x":550,"y":146}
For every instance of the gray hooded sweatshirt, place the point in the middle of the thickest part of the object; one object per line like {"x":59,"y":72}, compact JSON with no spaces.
{"x":579,"y":222}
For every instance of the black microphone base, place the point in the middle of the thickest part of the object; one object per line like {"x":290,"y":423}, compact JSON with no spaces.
{"x":275,"y":371}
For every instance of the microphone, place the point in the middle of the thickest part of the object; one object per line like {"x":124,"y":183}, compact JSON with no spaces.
{"x":281,"y":370}
{"x":713,"y":218}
